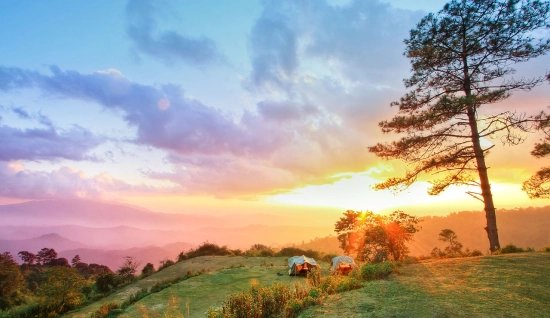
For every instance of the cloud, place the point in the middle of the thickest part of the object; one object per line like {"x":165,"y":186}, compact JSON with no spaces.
{"x":358,"y":41}
{"x":274,"y":56}
{"x":168,"y":46}
{"x":48,"y":143}
{"x":282,"y":145}
{"x":63,"y":183}
{"x":21,"y":113}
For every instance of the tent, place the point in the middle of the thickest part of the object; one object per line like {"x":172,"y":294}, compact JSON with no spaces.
{"x":342,"y":265}
{"x":301,"y":265}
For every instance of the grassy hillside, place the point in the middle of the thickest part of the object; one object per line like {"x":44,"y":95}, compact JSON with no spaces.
{"x":511,"y":285}
{"x":224,"y":275}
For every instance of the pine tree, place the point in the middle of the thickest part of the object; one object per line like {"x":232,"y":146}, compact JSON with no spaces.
{"x":457,"y":56}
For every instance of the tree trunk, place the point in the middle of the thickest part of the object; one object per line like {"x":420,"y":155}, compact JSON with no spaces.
{"x":490,"y":211}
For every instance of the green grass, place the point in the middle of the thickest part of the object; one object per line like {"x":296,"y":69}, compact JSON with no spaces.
{"x":199,"y":293}
{"x":512,"y":285}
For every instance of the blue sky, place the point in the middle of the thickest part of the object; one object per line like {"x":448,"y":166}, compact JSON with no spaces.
{"x":223,"y":100}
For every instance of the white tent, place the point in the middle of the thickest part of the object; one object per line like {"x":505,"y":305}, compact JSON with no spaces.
{"x":342,"y":264}
{"x":301,"y":264}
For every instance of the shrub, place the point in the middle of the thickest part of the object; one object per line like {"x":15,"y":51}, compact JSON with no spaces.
{"x":106,"y":310}
{"x":475,"y":253}
{"x":545,"y":249}
{"x":165,"y":263}
{"x":263,"y":301}
{"x":314,"y":277}
{"x":510,"y":248}
{"x":376,"y":271}
{"x":260,"y":250}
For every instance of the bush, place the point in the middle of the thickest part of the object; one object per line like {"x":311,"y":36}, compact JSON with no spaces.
{"x":263,"y":301}
{"x":475,"y":253}
{"x":376,"y":271}
{"x":510,"y":248}
{"x":545,"y":249}
{"x":206,"y":249}
{"x":106,"y":310}
{"x":165,"y":263}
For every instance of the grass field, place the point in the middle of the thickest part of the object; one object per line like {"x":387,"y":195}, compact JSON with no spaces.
{"x":225,"y":275}
{"x":511,"y":285}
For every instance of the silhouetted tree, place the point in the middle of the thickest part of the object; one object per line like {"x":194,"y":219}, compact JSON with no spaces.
{"x":449,"y":236}
{"x":27,"y":257}
{"x":148,"y":269}
{"x":45,"y":255}
{"x":75,"y":260}
{"x":457,"y":55}
{"x":128,"y":269}
{"x":538,"y":186}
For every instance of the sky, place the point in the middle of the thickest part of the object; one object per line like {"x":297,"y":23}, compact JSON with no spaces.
{"x":221,"y":106}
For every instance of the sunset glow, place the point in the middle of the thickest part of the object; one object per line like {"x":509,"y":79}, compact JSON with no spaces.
{"x":178,"y":108}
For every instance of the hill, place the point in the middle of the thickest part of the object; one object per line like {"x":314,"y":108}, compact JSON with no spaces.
{"x":114,"y":258}
{"x":224,"y":275}
{"x":511,"y":285}
{"x":525,"y":227}
{"x":35,"y":244}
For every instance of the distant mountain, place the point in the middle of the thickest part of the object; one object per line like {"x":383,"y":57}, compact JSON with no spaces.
{"x":105,"y":215}
{"x":114,"y":258}
{"x":119,"y":237}
{"x":34,"y":245}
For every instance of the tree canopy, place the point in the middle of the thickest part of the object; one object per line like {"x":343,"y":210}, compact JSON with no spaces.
{"x":457,"y":56}
{"x":375,"y":237}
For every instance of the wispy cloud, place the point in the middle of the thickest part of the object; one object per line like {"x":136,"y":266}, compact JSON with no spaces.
{"x":168,"y":46}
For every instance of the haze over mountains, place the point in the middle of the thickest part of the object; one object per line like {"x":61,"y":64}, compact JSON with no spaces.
{"x":105,"y":232}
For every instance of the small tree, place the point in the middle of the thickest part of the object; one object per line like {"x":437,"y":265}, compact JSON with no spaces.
{"x":346,"y":228}
{"x":75,"y":260}
{"x":376,"y":237}
{"x":449,"y":236}
{"x":27,"y":257}
{"x":128,"y":269}
{"x":45,"y":256}
{"x":62,"y":289}
{"x":461,"y":60}
{"x":147,"y":270}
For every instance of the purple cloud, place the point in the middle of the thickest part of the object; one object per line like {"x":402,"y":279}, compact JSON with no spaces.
{"x":281,"y":146}
{"x":63,"y":183}
{"x":46,"y":143}
{"x":169,"y":46}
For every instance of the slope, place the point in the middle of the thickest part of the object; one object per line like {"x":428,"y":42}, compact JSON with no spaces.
{"x":223,"y":276}
{"x":511,"y":285}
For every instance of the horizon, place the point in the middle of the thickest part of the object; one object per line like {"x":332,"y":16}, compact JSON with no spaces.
{"x":178,"y":107}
